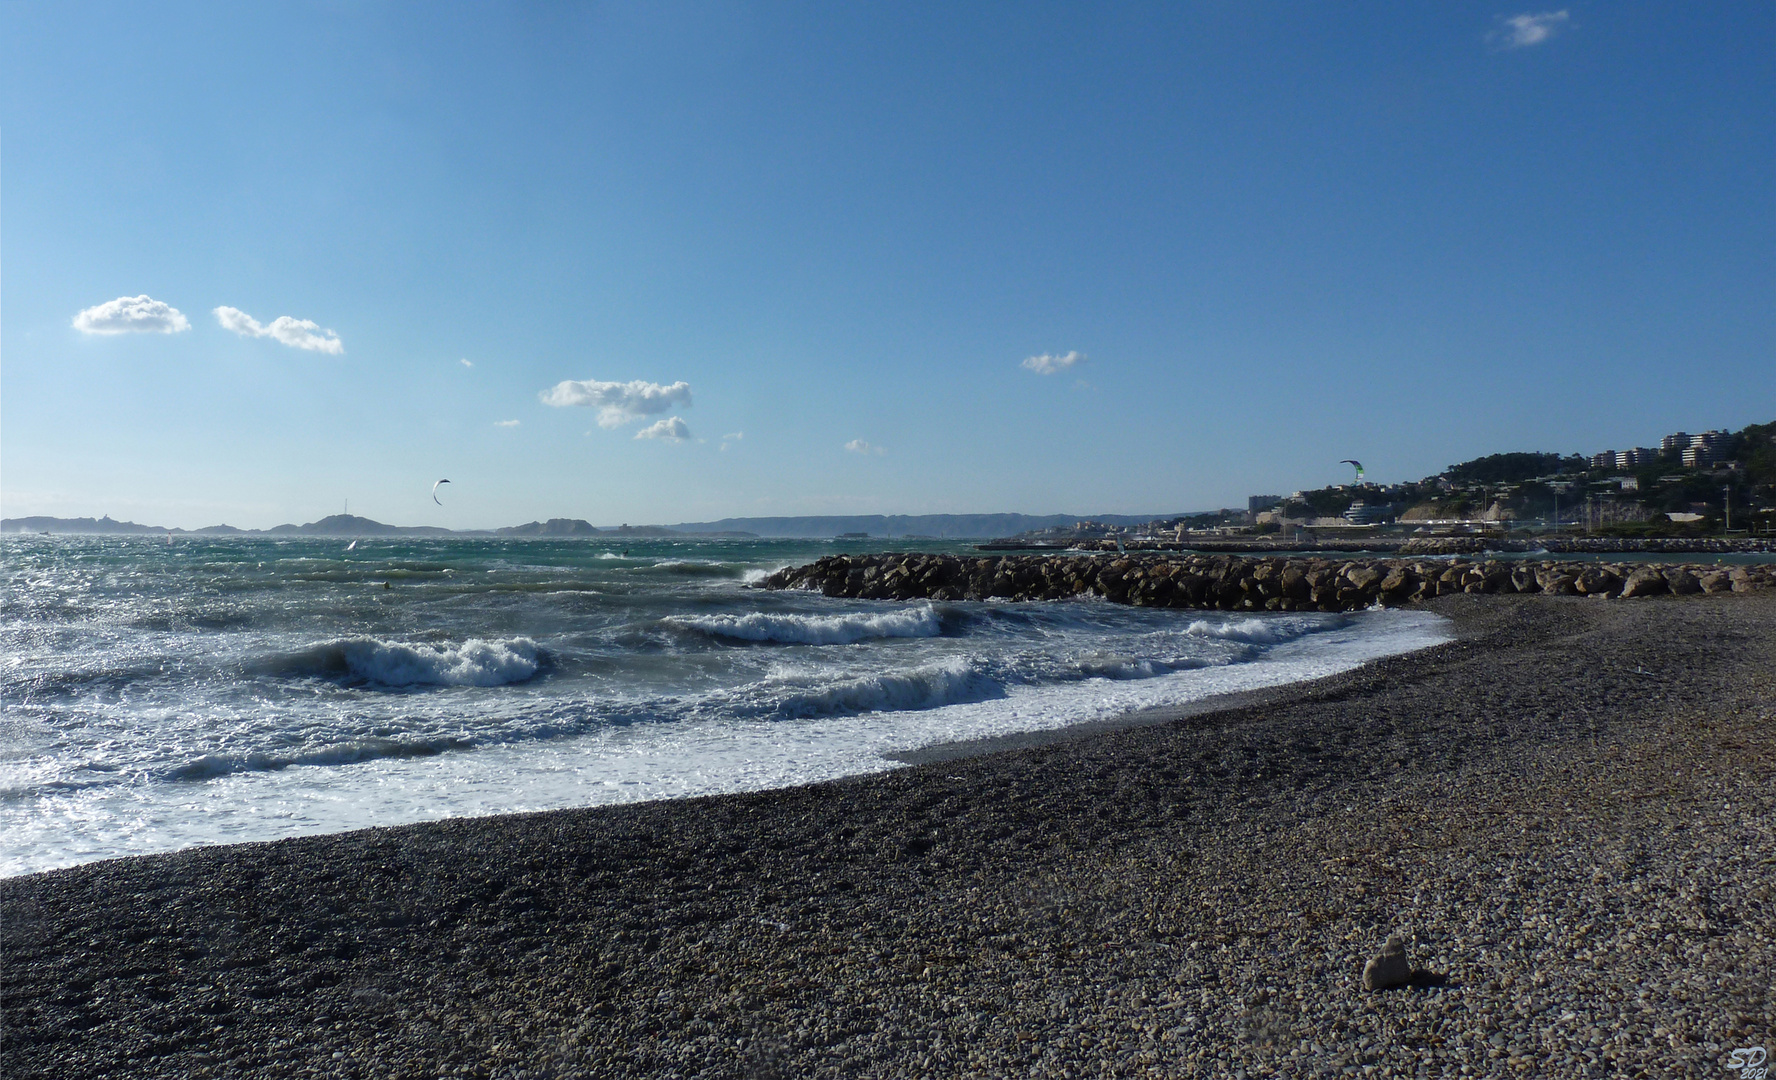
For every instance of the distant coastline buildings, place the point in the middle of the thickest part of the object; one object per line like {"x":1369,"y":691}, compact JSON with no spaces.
{"x":1680,"y":479}
{"x":1697,"y":452}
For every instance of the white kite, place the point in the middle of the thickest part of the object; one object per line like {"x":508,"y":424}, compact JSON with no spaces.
{"x":435,"y":491}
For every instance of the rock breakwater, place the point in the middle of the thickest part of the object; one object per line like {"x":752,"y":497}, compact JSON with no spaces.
{"x":1245,"y":583}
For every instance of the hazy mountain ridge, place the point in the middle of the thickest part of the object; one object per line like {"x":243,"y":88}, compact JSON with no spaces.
{"x":939,"y":526}
{"x":333,"y":525}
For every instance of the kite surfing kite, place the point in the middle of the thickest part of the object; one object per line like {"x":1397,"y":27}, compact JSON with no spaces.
{"x":435,"y":486}
{"x":1355,"y":464}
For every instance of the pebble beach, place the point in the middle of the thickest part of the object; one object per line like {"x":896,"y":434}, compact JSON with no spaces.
{"x":1566,"y":815}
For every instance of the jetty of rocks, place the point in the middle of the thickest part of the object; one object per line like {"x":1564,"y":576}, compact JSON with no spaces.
{"x":1246,"y":583}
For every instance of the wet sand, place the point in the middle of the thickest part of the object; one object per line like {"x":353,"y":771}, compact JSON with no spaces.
{"x":1567,"y":813}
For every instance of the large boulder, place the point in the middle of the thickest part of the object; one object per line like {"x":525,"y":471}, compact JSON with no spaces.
{"x":1645,"y":582}
{"x":1388,"y":968}
{"x":1294,"y":584}
{"x":1717,"y":582}
{"x":1362,"y":577}
{"x":1397,"y":584}
{"x":1682,"y":581}
{"x":1555,"y":580}
{"x":1597,"y":581}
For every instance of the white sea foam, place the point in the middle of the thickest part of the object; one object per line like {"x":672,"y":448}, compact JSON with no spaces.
{"x":1267,"y":631}
{"x":1122,"y":667}
{"x":475,"y":662}
{"x":919,"y":622}
{"x":928,"y":687}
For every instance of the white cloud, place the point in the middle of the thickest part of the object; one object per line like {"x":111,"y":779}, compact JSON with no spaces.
{"x":859,"y":446}
{"x":1522,"y":31}
{"x":505,"y":423}
{"x":296,"y":333}
{"x":1049,"y":365}
{"x":466,"y":362}
{"x":618,"y":403}
{"x":736,"y":436}
{"x":672,"y":428}
{"x":131,"y":315}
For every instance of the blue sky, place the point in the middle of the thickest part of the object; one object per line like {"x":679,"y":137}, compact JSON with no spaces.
{"x":1267,"y":236}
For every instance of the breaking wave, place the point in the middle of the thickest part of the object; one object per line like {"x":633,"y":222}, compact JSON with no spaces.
{"x":210,"y":766}
{"x":696,"y":568}
{"x":474,"y":662}
{"x":920,"y":622}
{"x":1124,"y":669}
{"x":928,"y":687}
{"x":1268,"y":631}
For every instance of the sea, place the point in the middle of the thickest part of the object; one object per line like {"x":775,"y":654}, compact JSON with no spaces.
{"x":212,"y":690}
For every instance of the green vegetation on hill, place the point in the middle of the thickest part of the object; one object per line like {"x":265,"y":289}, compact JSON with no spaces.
{"x":1756,"y":447}
{"x":1513,"y":468}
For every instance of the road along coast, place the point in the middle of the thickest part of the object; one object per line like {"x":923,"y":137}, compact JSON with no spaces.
{"x":1567,"y":815}
{"x":1247,"y":583}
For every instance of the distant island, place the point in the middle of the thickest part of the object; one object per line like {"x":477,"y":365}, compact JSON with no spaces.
{"x":930,"y":526}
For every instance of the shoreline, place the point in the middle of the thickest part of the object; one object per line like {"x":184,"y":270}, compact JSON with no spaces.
{"x":1564,"y":811}
{"x":1155,"y":716}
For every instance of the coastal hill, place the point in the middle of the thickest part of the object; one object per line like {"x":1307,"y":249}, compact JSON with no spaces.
{"x":91,"y":526}
{"x":1690,"y":485}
